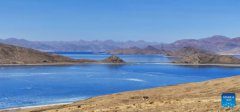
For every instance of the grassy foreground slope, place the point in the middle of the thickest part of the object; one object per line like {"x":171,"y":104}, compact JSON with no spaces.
{"x":192,"y":97}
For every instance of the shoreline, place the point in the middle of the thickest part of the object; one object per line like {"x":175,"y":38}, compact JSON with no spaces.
{"x":56,"y":64}
{"x":37,"y":106}
{"x":204,"y":95}
{"x":129,"y":63}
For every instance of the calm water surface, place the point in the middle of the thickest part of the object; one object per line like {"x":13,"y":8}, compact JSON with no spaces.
{"x":40,"y":85}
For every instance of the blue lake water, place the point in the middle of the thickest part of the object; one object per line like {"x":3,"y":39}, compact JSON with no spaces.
{"x":128,"y":58}
{"x":40,"y":85}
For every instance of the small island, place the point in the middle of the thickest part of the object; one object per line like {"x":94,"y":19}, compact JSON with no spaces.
{"x":113,"y":59}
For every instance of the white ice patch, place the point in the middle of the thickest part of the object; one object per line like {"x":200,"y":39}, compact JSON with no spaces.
{"x":135,"y":80}
{"x":66,"y":100}
{"x":43,"y":73}
{"x":5,"y":75}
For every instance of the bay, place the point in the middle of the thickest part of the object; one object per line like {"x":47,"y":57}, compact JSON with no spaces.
{"x":40,"y":85}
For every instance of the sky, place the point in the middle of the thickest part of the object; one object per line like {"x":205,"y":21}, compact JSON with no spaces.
{"x":121,"y":20}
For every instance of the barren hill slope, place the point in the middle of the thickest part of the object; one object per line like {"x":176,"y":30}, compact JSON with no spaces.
{"x":190,"y":55}
{"x":10,"y":54}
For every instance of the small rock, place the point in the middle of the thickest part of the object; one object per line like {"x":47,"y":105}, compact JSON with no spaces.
{"x":145,"y":97}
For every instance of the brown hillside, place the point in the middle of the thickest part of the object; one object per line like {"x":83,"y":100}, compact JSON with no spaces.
{"x":10,"y":54}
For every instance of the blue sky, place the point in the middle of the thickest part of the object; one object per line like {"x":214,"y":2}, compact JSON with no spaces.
{"x":150,"y":20}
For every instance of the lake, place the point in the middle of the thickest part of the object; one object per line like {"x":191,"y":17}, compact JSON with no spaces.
{"x":39,"y":85}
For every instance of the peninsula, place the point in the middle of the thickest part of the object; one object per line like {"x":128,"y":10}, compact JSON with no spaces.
{"x":191,"y":55}
{"x":185,"y":55}
{"x":14,"y":55}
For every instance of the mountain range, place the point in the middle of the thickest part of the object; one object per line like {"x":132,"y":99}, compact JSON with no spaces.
{"x":149,"y":50}
{"x":76,"y":46}
{"x":217,"y":44}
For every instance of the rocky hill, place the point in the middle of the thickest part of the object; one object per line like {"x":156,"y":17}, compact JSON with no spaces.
{"x":190,"y":55}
